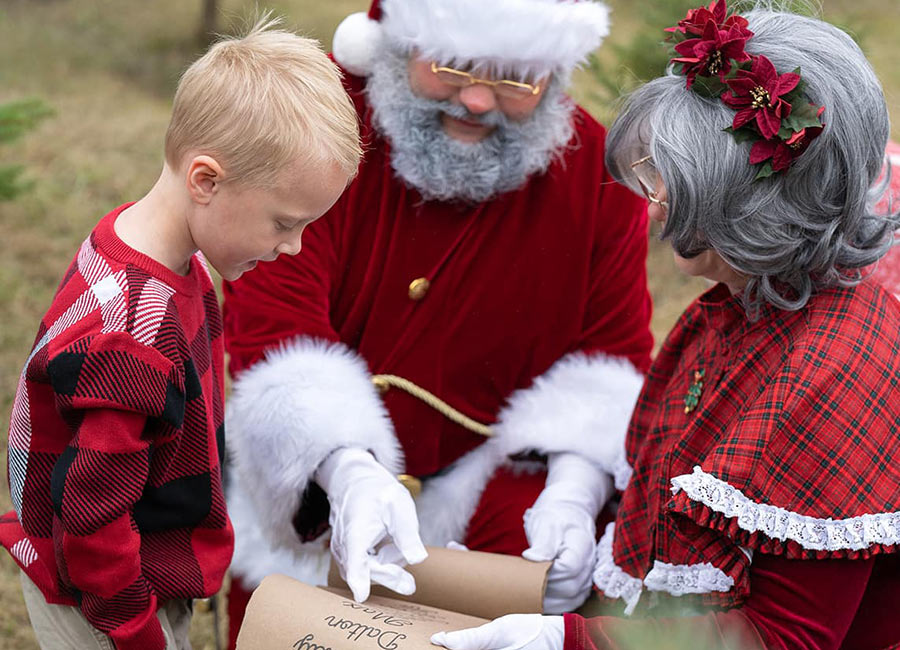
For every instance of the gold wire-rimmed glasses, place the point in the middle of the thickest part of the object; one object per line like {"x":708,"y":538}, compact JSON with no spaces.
{"x":648,"y":178}
{"x":503,"y":87}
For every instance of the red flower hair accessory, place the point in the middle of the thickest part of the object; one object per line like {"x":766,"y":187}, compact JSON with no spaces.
{"x":772,"y":111}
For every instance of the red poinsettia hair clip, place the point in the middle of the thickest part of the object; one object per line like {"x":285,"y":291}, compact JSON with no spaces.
{"x":772,"y":110}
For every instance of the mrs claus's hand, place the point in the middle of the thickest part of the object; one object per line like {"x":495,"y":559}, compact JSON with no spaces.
{"x":510,"y":632}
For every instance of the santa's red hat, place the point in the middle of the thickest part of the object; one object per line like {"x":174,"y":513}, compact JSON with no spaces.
{"x":550,"y":34}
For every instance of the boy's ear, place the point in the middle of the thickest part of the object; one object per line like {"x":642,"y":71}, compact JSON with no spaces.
{"x":204,"y":176}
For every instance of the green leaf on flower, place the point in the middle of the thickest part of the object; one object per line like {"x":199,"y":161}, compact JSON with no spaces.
{"x":708,"y":86}
{"x":802,"y":117}
{"x":735,"y":66}
{"x":765,"y":171}
{"x":742,"y":134}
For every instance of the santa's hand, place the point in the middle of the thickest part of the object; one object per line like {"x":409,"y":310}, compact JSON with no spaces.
{"x":510,"y":632}
{"x":369,"y":506}
{"x":561,"y":527}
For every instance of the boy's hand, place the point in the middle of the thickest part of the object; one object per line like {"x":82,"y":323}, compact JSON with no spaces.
{"x":560,"y":526}
{"x":368,"y":507}
{"x":510,"y":632}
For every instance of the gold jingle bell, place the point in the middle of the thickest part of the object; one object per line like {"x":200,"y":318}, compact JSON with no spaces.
{"x":418,"y":288}
{"x":411,"y":483}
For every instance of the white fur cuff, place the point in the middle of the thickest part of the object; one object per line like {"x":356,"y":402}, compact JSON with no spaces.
{"x":292,"y":409}
{"x":582,"y":404}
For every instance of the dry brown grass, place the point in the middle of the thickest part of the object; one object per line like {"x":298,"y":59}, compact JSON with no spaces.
{"x":108,"y":67}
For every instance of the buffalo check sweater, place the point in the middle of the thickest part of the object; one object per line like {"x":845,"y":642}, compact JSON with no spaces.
{"x":116,"y":441}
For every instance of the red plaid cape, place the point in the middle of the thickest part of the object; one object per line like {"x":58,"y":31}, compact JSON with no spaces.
{"x":792,"y":449}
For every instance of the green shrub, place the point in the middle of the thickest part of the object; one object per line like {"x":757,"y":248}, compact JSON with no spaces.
{"x":16,"y":118}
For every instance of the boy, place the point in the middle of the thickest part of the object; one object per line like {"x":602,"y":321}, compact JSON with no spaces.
{"x":116,"y":438}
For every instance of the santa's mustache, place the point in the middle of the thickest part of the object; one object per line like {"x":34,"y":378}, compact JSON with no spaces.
{"x":493,"y":118}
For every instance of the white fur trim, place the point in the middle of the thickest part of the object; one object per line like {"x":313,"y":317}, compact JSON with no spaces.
{"x":355,"y":42}
{"x":555,"y":33}
{"x":288,"y":412}
{"x":255,"y":557}
{"x":812,"y":533}
{"x":307,"y":387}
{"x":445,"y":507}
{"x":448,"y":501}
{"x":674,"y":579}
{"x":622,"y":471}
{"x":582,"y":404}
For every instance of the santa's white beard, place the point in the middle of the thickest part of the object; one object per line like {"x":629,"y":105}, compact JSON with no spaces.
{"x":443,"y":168}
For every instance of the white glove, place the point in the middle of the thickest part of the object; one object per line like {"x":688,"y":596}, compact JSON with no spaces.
{"x":510,"y":632}
{"x":368,"y":507}
{"x":561,"y":526}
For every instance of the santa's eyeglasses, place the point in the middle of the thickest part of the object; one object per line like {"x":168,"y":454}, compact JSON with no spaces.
{"x":503,"y":87}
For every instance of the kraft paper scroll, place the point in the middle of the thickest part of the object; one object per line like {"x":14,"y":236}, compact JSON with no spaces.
{"x":284,"y":614}
{"x":486,"y":585}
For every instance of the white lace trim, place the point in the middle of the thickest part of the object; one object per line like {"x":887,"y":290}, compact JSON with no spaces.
{"x":812,"y":533}
{"x":681,"y":579}
{"x":675,"y":579}
{"x":622,"y":472}
{"x":612,"y":580}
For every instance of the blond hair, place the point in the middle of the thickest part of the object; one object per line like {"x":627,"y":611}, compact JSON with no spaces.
{"x":261,"y":102}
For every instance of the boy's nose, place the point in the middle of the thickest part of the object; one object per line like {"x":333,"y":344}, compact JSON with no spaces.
{"x":291,"y":247}
{"x":478,"y":98}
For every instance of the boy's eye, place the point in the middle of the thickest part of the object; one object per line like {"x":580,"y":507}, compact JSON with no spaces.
{"x":281,"y":227}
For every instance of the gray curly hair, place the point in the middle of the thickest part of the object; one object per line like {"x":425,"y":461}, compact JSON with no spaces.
{"x":793,"y":233}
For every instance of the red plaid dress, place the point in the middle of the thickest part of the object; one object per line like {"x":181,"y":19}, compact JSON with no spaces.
{"x":792,"y":450}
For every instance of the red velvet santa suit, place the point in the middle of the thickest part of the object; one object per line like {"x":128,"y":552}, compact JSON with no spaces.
{"x":541,"y":291}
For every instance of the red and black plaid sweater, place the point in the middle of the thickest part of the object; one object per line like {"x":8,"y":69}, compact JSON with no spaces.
{"x":116,"y":442}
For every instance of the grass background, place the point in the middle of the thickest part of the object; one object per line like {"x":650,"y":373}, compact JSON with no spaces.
{"x":108,"y":68}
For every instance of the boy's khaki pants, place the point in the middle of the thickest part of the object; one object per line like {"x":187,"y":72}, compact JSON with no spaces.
{"x":61,"y":627}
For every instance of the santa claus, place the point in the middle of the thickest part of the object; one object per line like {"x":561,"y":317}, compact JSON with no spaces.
{"x":472,"y":316}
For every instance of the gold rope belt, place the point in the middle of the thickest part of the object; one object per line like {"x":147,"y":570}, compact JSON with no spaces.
{"x":384,"y":382}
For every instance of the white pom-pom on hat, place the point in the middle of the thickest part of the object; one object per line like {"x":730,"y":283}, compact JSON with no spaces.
{"x":355,"y":41}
